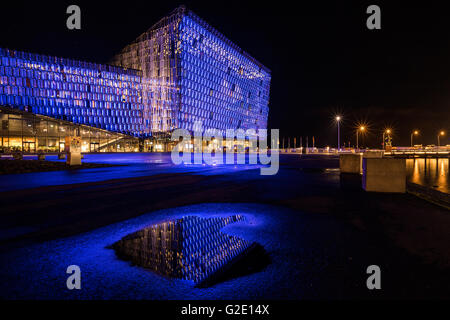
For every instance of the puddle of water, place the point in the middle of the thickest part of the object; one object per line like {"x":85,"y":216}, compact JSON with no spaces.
{"x":190,"y":248}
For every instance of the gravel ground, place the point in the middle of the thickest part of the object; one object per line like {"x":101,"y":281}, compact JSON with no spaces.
{"x":296,"y":271}
{"x":319,"y":229}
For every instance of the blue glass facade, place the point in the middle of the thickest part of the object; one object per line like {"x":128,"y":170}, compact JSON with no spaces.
{"x":220,"y":86}
{"x":194,"y":74}
{"x":178,"y":72}
{"x":102,"y":96}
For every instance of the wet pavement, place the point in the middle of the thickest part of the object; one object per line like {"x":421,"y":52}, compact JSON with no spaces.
{"x":433,"y":173}
{"x":313,"y":267}
{"x":320,"y":237}
{"x":131,"y":165}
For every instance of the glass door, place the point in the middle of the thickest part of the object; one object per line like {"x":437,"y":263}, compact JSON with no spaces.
{"x":29,"y":146}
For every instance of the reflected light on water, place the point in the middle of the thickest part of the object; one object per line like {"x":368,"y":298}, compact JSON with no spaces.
{"x":189,"y":248}
{"x":432,"y":173}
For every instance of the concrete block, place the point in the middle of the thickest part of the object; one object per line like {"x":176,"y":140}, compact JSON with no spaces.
{"x":373,"y":154}
{"x":350,"y":163}
{"x":384,"y":175}
{"x":73,"y":159}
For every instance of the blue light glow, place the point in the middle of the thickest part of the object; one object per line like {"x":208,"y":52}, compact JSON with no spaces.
{"x":178,"y":72}
{"x":190,"y":248}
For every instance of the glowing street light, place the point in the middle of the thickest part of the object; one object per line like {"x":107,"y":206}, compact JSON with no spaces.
{"x":442,"y":133}
{"x":414,"y":133}
{"x":361,"y":128}
{"x":338,"y":120}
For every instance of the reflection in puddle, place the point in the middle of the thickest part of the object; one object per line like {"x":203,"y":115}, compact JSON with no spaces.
{"x":189,"y":248}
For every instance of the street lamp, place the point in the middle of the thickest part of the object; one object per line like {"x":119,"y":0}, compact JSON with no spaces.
{"x":442,"y":133}
{"x":338,"y":120}
{"x":414,"y":133}
{"x":362,"y":128}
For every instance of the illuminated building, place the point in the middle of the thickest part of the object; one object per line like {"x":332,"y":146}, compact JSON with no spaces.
{"x":180,"y":71}
{"x":192,"y":72}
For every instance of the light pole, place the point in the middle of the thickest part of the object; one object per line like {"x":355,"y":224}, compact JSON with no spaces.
{"x":362,"y":128}
{"x":442,"y":133}
{"x":414,"y":133}
{"x":338,"y":120}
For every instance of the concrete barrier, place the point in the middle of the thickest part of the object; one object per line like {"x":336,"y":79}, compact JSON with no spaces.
{"x":373,"y":154}
{"x":73,"y":159}
{"x":350,"y":163}
{"x":384,"y":175}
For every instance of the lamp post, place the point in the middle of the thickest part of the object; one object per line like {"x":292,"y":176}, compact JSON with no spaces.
{"x":338,"y":120}
{"x":442,"y":133}
{"x":414,"y":133}
{"x":362,"y":128}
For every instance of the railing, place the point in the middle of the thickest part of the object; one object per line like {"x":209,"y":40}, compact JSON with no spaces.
{"x":417,"y":152}
{"x":108,"y":143}
{"x":424,"y":152}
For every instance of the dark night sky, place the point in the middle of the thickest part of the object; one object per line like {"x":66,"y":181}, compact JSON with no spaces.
{"x":322,"y":56}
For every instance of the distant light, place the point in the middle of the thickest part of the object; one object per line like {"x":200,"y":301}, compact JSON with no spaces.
{"x":442,"y":133}
{"x":338,"y":118}
{"x":416,"y":132}
{"x":388,"y":131}
{"x":362,"y":128}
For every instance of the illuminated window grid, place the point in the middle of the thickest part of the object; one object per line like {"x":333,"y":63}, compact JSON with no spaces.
{"x":97,"y":95}
{"x":195,"y":74}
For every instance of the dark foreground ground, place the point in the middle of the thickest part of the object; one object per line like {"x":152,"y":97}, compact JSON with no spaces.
{"x":319,"y":229}
{"x":27,"y":166}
